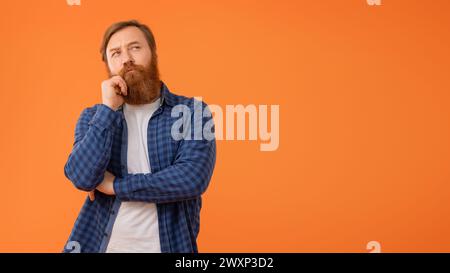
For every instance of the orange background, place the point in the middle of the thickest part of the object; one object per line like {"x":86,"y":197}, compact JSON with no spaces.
{"x":364,"y":117}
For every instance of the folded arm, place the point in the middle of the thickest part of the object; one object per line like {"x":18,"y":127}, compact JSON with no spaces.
{"x":91,"y":151}
{"x":187,"y":178}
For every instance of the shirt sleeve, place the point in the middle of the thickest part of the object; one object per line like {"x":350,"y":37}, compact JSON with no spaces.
{"x":187,"y":178}
{"x":91,"y":151}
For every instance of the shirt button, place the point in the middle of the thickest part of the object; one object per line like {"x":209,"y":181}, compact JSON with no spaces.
{"x":113,"y":212}
{"x":105,"y":234}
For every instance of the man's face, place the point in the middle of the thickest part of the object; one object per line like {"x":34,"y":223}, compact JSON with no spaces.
{"x":129,"y":56}
{"x":127,"y":45}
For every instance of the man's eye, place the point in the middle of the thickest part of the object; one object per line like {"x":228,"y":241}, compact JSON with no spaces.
{"x":115,"y":54}
{"x":135,"y":47}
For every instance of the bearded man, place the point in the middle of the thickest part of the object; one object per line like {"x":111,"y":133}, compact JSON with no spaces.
{"x":144,"y":186}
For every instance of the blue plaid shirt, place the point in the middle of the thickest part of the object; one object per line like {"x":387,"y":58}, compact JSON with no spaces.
{"x":180,"y":174}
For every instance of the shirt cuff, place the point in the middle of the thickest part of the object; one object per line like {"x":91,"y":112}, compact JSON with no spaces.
{"x":104,"y":117}
{"x":121,"y":189}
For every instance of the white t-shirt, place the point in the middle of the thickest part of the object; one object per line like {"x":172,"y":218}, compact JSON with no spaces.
{"x":136,"y":226}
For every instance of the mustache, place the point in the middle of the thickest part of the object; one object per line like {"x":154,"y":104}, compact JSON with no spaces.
{"x":127,"y":67}
{"x":143,"y":82}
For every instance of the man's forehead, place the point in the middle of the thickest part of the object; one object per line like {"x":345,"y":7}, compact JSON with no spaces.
{"x":126,"y":36}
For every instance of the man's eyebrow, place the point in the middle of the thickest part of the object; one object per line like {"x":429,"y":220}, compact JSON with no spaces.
{"x":133,"y":43}
{"x":130,"y":43}
{"x":114,"y":49}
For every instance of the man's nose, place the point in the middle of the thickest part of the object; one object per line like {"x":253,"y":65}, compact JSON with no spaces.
{"x":128,"y":63}
{"x":127,"y":58}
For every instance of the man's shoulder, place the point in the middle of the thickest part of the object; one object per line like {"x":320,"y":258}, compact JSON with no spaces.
{"x":191,"y":102}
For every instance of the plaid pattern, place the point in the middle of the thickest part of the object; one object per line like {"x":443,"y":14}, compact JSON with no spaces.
{"x":180,"y":173}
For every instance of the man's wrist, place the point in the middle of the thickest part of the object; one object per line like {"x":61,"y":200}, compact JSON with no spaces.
{"x":111,"y":107}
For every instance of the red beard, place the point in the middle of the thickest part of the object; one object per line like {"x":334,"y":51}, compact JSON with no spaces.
{"x":143,"y":83}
